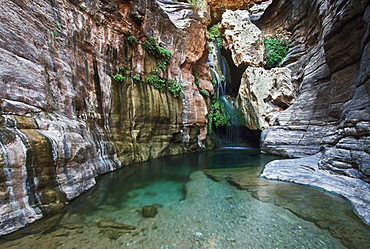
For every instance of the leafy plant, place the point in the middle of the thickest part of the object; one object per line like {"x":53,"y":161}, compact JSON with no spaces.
{"x":118,"y":77}
{"x":276,"y":50}
{"x":215,"y":35}
{"x":82,"y":7}
{"x":217,"y":115}
{"x":196,"y":78}
{"x":136,"y":78}
{"x":156,"y":81}
{"x":197,"y":4}
{"x":204,"y":92}
{"x":131,"y":40}
{"x":175,"y":87}
{"x":153,"y":48}
{"x":121,"y":68}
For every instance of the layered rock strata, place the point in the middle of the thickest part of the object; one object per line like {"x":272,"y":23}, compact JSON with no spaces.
{"x":329,"y":59}
{"x":64,"y":120}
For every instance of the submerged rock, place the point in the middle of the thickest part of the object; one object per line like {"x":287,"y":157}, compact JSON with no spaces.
{"x":149,"y":211}
{"x":115,"y":225}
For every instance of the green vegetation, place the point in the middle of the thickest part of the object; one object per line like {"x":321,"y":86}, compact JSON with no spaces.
{"x":136,"y":78}
{"x":131,"y":40}
{"x":204,"y":92}
{"x":153,"y":48}
{"x":196,"y":78}
{"x":121,"y":68}
{"x":197,"y":4}
{"x":156,"y":81}
{"x":118,"y":77}
{"x":276,"y":50}
{"x":215,"y":35}
{"x":217,"y":115}
{"x":82,"y":7}
{"x":175,"y":87}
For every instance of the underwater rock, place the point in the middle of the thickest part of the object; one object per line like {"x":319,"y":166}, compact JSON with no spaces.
{"x":115,"y":225}
{"x":65,"y":120}
{"x":149,"y":212}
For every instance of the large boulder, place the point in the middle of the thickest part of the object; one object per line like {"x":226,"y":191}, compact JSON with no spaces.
{"x":263,"y":94}
{"x":242,"y":38}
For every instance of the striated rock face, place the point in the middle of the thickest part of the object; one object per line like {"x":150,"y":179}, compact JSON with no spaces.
{"x":242,"y":38}
{"x":263,"y":94}
{"x":64,"y":121}
{"x":329,"y":59}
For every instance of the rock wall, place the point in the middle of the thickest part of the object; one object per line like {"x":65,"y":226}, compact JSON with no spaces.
{"x":329,"y":59}
{"x":262,"y":94}
{"x":64,"y":121}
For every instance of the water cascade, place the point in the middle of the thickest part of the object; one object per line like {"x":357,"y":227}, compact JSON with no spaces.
{"x":228,"y":132}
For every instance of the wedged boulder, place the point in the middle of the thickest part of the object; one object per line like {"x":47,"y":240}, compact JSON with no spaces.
{"x":263,"y":94}
{"x":242,"y":38}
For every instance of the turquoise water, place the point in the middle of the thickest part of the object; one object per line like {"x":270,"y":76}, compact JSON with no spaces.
{"x":199,"y":208}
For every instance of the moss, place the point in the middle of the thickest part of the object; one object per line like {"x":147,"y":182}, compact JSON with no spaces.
{"x":175,"y":87}
{"x":156,"y":81}
{"x":215,"y":35}
{"x":196,"y":78}
{"x":118,"y":77}
{"x":276,"y":50}
{"x":217,"y":115}
{"x":204,"y":92}
{"x":131,"y":40}
{"x":154,"y":49}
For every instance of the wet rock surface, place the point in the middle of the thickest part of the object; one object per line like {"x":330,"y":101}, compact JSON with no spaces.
{"x":149,"y":211}
{"x":332,"y":212}
{"x":328,"y":57}
{"x":64,"y":120}
{"x":214,"y":214}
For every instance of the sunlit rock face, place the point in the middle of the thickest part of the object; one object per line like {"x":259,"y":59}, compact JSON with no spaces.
{"x":242,"y":38}
{"x":329,"y":59}
{"x":263,"y":94}
{"x":64,"y":121}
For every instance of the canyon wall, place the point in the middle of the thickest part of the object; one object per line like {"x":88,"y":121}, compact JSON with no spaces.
{"x":330,"y":118}
{"x":65,"y":120}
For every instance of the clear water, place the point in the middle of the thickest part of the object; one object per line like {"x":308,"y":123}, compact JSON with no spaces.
{"x":199,"y":208}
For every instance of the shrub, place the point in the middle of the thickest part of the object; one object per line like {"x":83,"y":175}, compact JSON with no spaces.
{"x":204,"y":92}
{"x":217,"y":115}
{"x":136,"y":78}
{"x":131,"y":40}
{"x":276,"y":50}
{"x":215,"y":35}
{"x":154,"y":49}
{"x":175,"y":87}
{"x":118,"y":77}
{"x":156,"y":81}
{"x":196,"y":78}
{"x":197,"y":4}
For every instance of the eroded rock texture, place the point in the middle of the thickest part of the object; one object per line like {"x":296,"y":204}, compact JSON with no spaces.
{"x":263,"y":94}
{"x":329,"y":59}
{"x":242,"y":38}
{"x":64,"y":120}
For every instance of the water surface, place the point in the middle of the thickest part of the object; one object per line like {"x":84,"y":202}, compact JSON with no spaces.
{"x":199,"y":208}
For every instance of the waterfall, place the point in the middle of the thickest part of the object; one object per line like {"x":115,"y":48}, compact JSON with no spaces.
{"x":229,"y":133}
